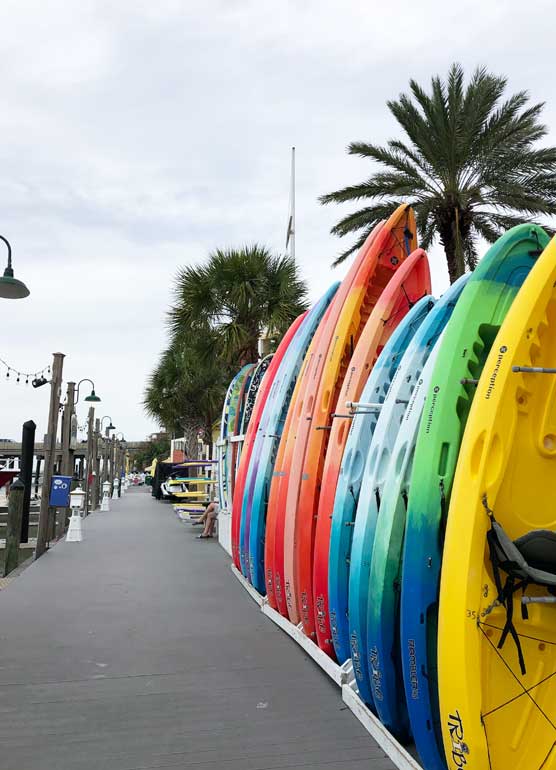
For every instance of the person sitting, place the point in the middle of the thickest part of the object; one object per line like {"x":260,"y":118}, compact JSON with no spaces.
{"x":209,"y":520}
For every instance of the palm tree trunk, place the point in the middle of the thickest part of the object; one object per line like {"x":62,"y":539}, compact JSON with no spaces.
{"x":451,"y":258}
{"x":451,"y":238}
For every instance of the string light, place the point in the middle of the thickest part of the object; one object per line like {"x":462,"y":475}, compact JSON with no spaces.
{"x":25,"y":375}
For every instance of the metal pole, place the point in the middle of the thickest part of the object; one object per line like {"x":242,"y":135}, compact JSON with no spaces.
{"x":49,"y":452}
{"x":26,"y":474}
{"x":37,"y":475}
{"x":292,"y":247}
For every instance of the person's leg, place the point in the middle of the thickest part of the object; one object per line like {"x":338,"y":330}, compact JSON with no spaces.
{"x":209,"y":525}
{"x":202,"y":519}
{"x":211,"y":518}
{"x":210,"y":515}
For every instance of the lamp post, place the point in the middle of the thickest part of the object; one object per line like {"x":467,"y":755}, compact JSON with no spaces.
{"x":96,"y":467}
{"x":10,"y":287}
{"x":105,"y":452}
{"x":109,"y":427}
{"x":68,"y":426}
{"x":92,"y":397}
{"x":120,"y":455}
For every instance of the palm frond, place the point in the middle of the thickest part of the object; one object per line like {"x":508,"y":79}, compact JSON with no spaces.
{"x":468,"y":160}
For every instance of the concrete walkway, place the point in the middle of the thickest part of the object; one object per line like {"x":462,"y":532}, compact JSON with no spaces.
{"x":138,"y":649}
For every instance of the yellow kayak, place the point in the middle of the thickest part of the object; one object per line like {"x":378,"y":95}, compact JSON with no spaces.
{"x":497,"y":624}
{"x":189,"y":482}
{"x":184,"y":495}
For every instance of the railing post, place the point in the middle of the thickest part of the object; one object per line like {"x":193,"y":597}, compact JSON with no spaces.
{"x":26,"y":474}
{"x":15,"y":513}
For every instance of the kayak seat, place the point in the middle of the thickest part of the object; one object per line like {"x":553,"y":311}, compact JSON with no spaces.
{"x":528,"y":560}
{"x":531,"y":557}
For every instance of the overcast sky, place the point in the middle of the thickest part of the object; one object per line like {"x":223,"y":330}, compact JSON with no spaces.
{"x":137,"y":136}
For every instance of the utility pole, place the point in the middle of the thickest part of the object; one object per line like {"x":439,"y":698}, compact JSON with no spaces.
{"x":96,"y":467}
{"x":49,"y":452}
{"x":89,"y":466}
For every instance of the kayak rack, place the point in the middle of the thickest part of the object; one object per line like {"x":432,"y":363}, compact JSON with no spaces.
{"x":342,"y":675}
{"x":533,"y":369}
{"x":361,"y":407}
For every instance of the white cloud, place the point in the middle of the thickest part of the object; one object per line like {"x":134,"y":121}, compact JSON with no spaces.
{"x":137,"y":136}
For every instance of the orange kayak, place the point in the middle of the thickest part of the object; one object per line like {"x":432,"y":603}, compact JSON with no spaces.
{"x":250,"y":434}
{"x":276,"y":510}
{"x":409,"y":284}
{"x":280,"y":478}
{"x":381,"y":257}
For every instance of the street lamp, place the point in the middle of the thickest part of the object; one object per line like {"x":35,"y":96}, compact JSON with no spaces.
{"x":122,"y":436}
{"x":92,"y":397}
{"x":10,"y":287}
{"x":109,"y":427}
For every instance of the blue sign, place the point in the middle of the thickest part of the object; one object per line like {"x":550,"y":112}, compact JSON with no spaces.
{"x":60,"y":490}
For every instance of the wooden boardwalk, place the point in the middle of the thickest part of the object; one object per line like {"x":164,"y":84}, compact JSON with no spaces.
{"x":137,"y":649}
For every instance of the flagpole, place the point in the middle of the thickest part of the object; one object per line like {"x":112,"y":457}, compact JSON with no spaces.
{"x":292,"y":247}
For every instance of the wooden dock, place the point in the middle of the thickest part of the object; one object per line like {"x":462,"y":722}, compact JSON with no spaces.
{"x":136,"y":650}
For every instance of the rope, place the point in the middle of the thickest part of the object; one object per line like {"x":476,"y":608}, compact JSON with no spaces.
{"x":27,"y":375}
{"x":508,"y":667}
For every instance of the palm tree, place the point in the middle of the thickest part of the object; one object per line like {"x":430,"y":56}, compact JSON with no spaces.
{"x":469,"y":164}
{"x":186,"y":389}
{"x":236,"y":295}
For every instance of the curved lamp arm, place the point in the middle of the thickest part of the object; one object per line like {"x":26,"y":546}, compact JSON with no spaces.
{"x":9,"y":269}
{"x":111,"y":426}
{"x":93,"y":396}
{"x":10,"y":287}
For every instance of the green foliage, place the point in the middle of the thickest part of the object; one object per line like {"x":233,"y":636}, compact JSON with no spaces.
{"x":469,"y":163}
{"x":236,"y":295}
{"x":144,"y":456}
{"x":185,"y":391}
{"x":220,"y":310}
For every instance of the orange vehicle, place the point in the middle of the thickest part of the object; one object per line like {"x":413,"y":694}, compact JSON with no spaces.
{"x":381,"y":258}
{"x":410,"y":283}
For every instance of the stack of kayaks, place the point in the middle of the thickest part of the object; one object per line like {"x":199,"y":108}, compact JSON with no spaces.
{"x":396,"y":493}
{"x":194,"y":488}
{"x":231,"y":425}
